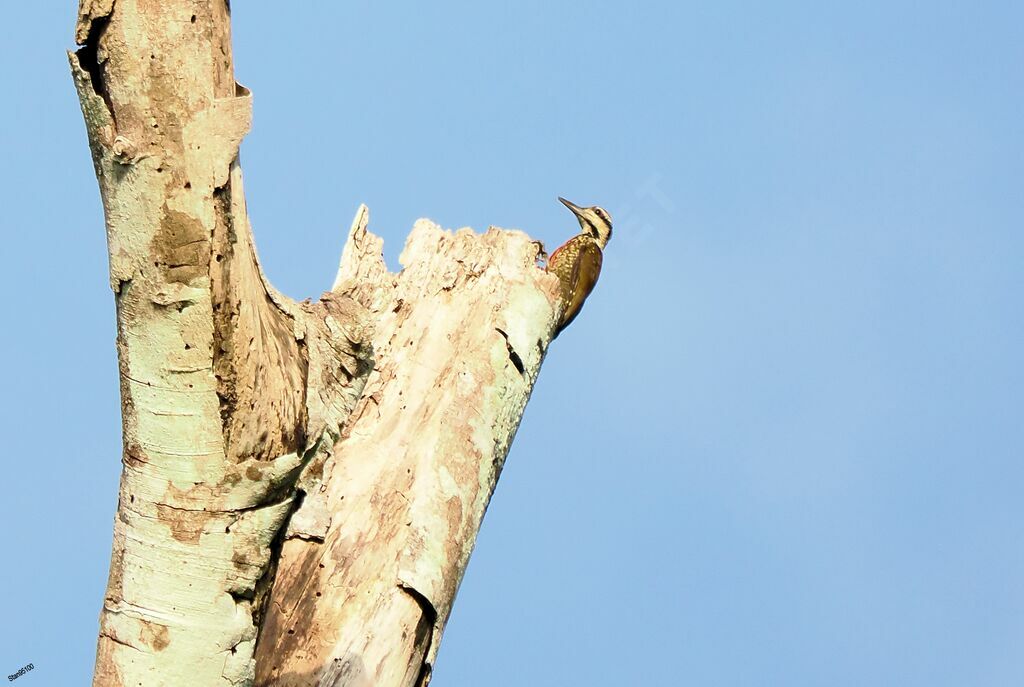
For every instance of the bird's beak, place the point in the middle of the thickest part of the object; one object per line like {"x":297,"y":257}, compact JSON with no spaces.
{"x":576,"y":209}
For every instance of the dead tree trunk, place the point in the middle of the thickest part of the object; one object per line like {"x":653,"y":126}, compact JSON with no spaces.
{"x":302,"y":482}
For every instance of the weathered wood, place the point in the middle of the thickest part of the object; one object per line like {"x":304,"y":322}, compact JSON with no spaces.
{"x":458,"y":348}
{"x":302,"y":482}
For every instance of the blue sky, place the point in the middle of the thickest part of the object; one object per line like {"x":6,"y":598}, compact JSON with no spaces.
{"x":782,"y":443}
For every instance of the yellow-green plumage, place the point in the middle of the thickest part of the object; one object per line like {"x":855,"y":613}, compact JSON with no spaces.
{"x":577,"y":264}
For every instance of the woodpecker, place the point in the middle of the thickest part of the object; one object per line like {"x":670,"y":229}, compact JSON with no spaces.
{"x":577,"y":262}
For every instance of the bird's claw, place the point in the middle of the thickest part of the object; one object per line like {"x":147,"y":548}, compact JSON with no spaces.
{"x":542,"y":255}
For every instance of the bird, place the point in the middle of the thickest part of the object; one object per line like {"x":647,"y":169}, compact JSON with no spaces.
{"x":577,"y":262}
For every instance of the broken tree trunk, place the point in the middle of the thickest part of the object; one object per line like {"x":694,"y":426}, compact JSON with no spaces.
{"x":302,"y":482}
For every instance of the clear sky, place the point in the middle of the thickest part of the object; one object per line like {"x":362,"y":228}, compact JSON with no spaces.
{"x":782,"y":445}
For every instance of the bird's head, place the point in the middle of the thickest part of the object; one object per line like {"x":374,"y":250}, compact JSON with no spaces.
{"x":593,"y":220}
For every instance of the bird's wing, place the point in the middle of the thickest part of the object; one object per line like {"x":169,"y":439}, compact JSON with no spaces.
{"x":585,"y":271}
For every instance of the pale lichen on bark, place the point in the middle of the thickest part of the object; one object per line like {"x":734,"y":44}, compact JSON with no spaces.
{"x":302,"y":482}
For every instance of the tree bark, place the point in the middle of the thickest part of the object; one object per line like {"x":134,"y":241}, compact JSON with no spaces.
{"x":302,"y":482}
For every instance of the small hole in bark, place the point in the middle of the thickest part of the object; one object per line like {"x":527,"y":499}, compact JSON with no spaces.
{"x":187,"y":347}
{"x":321,"y":565}
{"x":131,"y":499}
{"x":159,"y":170}
{"x":193,"y":19}
{"x":517,"y":362}
{"x":318,"y":594}
{"x":188,"y":184}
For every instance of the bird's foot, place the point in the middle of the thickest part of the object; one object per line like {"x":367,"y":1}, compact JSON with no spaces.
{"x":542,"y":255}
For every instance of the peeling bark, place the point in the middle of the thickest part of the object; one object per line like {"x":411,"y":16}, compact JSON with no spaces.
{"x":302,"y":482}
